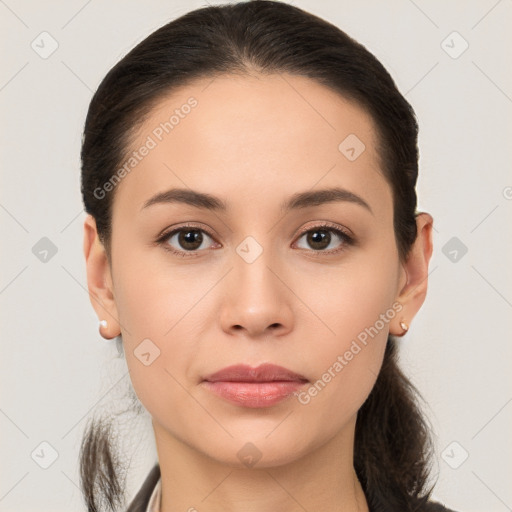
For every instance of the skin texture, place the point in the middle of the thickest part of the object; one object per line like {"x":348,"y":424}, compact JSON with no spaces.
{"x":254,"y":141}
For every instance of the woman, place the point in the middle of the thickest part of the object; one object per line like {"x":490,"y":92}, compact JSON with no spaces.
{"x":249,"y":173}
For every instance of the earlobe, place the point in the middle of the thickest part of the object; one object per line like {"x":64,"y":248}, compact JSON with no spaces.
{"x":99,"y":280}
{"x":413,"y":288}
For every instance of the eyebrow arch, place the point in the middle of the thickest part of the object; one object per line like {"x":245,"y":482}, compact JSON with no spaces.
{"x":295,"y":202}
{"x":187,"y":196}
{"x":319,"y":197}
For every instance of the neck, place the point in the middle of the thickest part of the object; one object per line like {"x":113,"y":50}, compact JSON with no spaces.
{"x":324,"y":479}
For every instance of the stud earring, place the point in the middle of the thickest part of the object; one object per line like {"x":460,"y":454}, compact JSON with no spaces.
{"x":404,"y":327}
{"x":104,"y":324}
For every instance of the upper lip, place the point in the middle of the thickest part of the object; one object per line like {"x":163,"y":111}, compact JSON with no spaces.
{"x":263,"y":373}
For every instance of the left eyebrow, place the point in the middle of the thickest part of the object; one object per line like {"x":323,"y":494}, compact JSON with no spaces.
{"x":295,"y":202}
{"x":319,"y":197}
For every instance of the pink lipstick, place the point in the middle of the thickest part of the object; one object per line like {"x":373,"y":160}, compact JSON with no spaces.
{"x":263,"y":386}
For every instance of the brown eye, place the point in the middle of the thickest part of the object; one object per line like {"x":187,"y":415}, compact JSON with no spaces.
{"x":321,"y":237}
{"x":190,"y":239}
{"x":185,"y":239}
{"x":318,"y":239}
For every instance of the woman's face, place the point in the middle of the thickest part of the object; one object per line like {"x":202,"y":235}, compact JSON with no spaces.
{"x":261,"y":280}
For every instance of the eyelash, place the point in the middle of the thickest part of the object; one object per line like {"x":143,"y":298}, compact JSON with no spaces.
{"x":347,"y":240}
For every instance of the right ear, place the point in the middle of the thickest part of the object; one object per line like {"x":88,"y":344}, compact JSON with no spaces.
{"x":99,"y":280}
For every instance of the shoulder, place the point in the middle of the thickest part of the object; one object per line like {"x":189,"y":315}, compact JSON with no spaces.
{"x":422,"y":505}
{"x":141,"y":499}
{"x":434,"y":506}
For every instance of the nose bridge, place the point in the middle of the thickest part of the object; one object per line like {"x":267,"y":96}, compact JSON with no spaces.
{"x":257,"y":298}
{"x":252,"y":265}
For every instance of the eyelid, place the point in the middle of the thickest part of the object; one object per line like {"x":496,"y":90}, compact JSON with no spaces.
{"x":327,"y":224}
{"x":167,"y":232}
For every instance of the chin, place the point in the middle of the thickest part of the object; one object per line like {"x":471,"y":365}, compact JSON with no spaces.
{"x":258,"y":452}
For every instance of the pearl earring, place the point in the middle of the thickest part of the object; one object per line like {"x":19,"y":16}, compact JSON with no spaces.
{"x":103,"y":323}
{"x":404,"y":327}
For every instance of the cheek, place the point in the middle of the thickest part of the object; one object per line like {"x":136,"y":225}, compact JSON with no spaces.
{"x":159,"y":312}
{"x":351,"y":297}
{"x":357,"y":306}
{"x":153,"y":298}
{"x":346,"y":374}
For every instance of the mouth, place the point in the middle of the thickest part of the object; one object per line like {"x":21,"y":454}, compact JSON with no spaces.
{"x":263,"y":386}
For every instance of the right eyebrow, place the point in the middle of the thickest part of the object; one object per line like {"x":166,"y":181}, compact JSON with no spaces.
{"x":187,"y":196}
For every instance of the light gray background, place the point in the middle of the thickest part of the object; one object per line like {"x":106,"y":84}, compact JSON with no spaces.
{"x":55,"y":368}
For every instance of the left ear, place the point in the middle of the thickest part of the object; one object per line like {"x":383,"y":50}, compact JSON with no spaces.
{"x":413,"y":283}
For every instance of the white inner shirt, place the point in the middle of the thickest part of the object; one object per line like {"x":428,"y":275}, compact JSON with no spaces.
{"x":154,"y":501}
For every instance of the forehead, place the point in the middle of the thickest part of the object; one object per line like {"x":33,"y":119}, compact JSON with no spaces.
{"x":249,"y":137}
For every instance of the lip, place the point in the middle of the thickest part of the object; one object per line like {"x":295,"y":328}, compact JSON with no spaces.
{"x":262,"y":373}
{"x":263,"y":386}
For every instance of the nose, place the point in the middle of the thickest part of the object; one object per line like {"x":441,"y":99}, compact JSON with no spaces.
{"x":257,"y":300}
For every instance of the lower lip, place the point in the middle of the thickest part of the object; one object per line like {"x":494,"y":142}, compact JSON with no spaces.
{"x":254,"y":394}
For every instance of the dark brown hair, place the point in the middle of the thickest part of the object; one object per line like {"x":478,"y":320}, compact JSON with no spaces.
{"x":393,"y":447}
